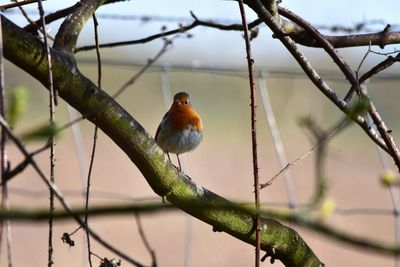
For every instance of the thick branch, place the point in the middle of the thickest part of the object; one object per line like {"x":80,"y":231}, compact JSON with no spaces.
{"x":26,"y":51}
{"x":301,"y":36}
{"x":70,"y":29}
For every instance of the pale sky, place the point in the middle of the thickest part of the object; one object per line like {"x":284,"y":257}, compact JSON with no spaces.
{"x":210,"y":47}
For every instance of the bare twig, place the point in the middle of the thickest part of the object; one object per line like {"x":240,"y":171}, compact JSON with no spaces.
{"x":386,"y":134}
{"x":389,"y":61}
{"x":394,"y":196}
{"x":380,"y":67}
{"x":181,"y":29}
{"x":17,"y":4}
{"x":321,"y":137}
{"x":164,"y":48}
{"x":145,"y":241}
{"x":52,"y":103}
{"x":250,"y":62}
{"x":353,"y":88}
{"x":23,"y":214}
{"x":21,"y":166}
{"x":51,"y":17}
{"x":96,"y":38}
{"x":25,"y":14}
{"x":323,"y":140}
{"x":326,"y":45}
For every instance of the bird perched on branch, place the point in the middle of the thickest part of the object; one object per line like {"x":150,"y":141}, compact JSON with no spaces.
{"x":181,"y":129}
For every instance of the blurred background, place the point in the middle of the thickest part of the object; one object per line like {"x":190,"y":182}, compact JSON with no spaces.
{"x":211,"y":67}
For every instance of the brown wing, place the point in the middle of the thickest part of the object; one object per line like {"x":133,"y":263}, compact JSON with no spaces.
{"x":159,"y":126}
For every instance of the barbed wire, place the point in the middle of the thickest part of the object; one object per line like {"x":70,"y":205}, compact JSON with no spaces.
{"x":226,"y":71}
{"x":366,"y":25}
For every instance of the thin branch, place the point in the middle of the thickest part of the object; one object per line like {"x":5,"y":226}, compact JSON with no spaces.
{"x":181,"y":29}
{"x":256,"y":180}
{"x":96,"y":38}
{"x":164,"y":48}
{"x":51,"y":17}
{"x":17,"y":4}
{"x":52,"y":103}
{"x":298,"y":218}
{"x":389,"y":61}
{"x":25,"y":14}
{"x":302,"y":36}
{"x":276,"y":137}
{"x":339,"y":126}
{"x":353,"y":88}
{"x":21,"y":166}
{"x":321,"y":40}
{"x":145,"y":241}
{"x":385,"y":132}
{"x":321,"y":137}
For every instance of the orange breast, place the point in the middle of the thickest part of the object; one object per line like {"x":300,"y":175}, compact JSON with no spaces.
{"x":184,"y":116}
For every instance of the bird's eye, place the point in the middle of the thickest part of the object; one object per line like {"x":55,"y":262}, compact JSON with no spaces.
{"x":186,"y":102}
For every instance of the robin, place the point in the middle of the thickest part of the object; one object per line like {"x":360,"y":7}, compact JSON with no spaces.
{"x":181,"y":128}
